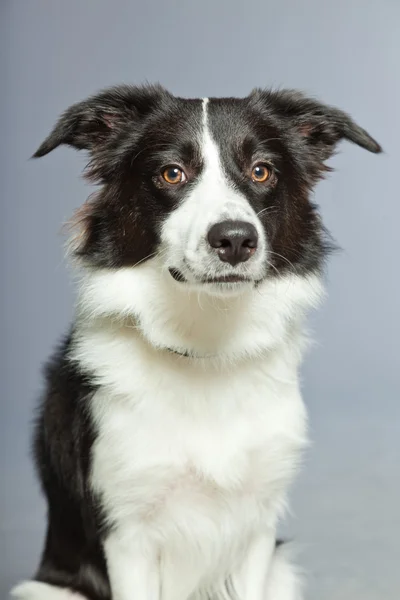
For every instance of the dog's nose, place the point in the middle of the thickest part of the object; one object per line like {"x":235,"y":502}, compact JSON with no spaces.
{"x":234,"y":241}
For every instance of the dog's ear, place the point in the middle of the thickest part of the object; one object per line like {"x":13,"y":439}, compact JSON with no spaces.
{"x":90,"y":123}
{"x":320,"y":126}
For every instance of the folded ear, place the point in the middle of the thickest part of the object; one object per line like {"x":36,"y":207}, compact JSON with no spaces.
{"x":321,"y":126}
{"x":87,"y":124}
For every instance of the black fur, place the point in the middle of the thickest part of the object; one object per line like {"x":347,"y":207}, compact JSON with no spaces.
{"x":72,"y":556}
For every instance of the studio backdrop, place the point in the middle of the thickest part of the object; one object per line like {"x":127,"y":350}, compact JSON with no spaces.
{"x":345,"y":505}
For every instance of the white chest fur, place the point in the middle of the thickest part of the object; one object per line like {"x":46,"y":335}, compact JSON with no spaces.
{"x":186,"y":447}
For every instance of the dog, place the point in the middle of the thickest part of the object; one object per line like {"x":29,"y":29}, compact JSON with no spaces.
{"x":172,"y":422}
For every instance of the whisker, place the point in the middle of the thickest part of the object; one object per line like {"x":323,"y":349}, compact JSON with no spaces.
{"x":153,"y":146}
{"x":284,"y":258}
{"x":270,"y":264}
{"x":199,"y":303}
{"x":268,"y":208}
{"x":266,"y":140}
{"x":143,"y":259}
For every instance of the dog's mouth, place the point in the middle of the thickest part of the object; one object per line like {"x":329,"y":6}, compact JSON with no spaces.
{"x":223,"y":279}
{"x":227,"y":279}
{"x":177,"y":275}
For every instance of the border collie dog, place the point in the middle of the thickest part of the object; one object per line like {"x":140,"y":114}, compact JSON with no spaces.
{"x":172,"y":422}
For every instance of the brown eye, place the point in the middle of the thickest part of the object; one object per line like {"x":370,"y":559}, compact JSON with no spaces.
{"x":260,"y":173}
{"x":173,"y":175}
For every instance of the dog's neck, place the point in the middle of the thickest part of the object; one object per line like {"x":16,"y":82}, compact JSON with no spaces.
{"x":188,"y":324}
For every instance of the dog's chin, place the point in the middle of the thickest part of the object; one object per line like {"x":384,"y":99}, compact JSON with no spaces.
{"x":219,"y":285}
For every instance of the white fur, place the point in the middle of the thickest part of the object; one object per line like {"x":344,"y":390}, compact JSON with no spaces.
{"x":283,"y":584}
{"x":35,"y":590}
{"x":194,"y":454}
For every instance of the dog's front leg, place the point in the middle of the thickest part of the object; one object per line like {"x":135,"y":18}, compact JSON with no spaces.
{"x":250,"y":581}
{"x":133,"y":568}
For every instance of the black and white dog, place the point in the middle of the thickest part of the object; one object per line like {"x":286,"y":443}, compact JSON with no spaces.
{"x":172,"y":421}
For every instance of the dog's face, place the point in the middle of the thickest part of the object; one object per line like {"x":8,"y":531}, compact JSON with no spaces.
{"x":216,"y":189}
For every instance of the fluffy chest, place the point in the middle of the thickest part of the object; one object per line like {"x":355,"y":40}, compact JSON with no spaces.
{"x":192,"y":444}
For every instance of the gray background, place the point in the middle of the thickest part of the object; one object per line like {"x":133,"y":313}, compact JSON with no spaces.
{"x":347,"y":52}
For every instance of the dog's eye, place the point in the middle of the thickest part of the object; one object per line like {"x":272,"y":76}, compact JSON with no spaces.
{"x":173,"y":175}
{"x":260,"y":173}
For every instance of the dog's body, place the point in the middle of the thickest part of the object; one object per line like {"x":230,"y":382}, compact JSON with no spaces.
{"x":173,"y":422}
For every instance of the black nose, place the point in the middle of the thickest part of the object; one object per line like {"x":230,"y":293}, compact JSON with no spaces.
{"x":234,"y":241}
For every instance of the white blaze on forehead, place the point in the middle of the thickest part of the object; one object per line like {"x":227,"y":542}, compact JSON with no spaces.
{"x":217,"y":192}
{"x":205,"y":102}
{"x":209,"y":149}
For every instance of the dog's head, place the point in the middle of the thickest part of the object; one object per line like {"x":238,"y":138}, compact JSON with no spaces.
{"x":216,"y":189}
